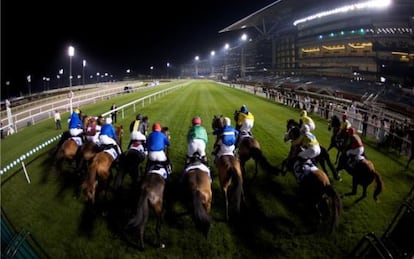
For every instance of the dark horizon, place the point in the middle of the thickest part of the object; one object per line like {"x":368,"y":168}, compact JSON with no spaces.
{"x":111,"y":38}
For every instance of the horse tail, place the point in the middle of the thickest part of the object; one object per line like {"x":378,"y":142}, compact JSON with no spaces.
{"x":238,"y":187}
{"x":202,"y":219}
{"x":379,"y":184}
{"x":258,"y":156}
{"x":141,"y":216}
{"x":335,"y":206}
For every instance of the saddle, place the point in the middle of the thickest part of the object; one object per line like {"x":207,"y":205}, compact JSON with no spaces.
{"x":159,"y":166}
{"x":301,"y":169}
{"x":354,"y":160}
{"x":196,"y":159}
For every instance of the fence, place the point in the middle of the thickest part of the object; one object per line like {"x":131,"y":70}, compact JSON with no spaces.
{"x":45,"y":108}
{"x":141,"y":101}
{"x":310,"y":101}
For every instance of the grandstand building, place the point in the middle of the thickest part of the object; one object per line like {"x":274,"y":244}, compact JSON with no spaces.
{"x":369,"y":40}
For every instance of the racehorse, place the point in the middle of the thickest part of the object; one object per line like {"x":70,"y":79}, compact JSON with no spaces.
{"x":69,"y":149}
{"x":230,"y":174}
{"x":293,"y":132}
{"x":248,"y":147}
{"x":317,"y":190}
{"x":197,"y":180}
{"x":129,"y":163}
{"x":363,"y":173}
{"x":89,"y":149}
{"x":100,"y":173}
{"x":151,"y":196}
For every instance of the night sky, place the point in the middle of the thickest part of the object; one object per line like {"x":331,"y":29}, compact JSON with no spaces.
{"x":111,"y":36}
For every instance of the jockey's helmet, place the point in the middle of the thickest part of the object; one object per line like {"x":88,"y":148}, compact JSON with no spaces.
{"x":303,"y":113}
{"x":196,"y":121}
{"x":344,"y":117}
{"x":77,"y":111}
{"x":108,"y":120}
{"x":92,"y":120}
{"x":139,"y":117}
{"x":156,"y":127}
{"x":351,"y":131}
{"x":244,"y":109}
{"x":227,"y":121}
{"x":136,"y":135}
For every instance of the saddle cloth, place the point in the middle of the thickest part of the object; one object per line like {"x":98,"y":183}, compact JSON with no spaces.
{"x":302,"y":170}
{"x":160,"y":171}
{"x":200,"y":166}
{"x":112,"y":152}
{"x":78,"y":141}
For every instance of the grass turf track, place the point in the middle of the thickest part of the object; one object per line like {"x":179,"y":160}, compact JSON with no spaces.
{"x":274,"y":221}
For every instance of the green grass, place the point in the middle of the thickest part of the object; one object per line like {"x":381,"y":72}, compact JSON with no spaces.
{"x":274,"y":221}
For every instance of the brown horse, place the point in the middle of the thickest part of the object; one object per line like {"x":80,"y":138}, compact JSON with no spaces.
{"x":230,"y":175}
{"x":68,"y":149}
{"x":248,"y":148}
{"x":363,"y":174}
{"x":151,"y":197}
{"x":67,"y":152}
{"x":99,"y":176}
{"x":317,"y":191}
{"x":89,"y":149}
{"x":197,"y":180}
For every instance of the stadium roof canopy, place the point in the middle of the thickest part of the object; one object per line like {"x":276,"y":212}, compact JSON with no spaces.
{"x":280,"y":13}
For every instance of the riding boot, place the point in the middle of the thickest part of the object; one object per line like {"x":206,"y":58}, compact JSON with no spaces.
{"x":215,"y":150}
{"x":168,"y":166}
{"x":187,"y":161}
{"x":204,"y":160}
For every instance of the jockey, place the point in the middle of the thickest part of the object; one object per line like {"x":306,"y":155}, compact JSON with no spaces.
{"x":227,"y":139}
{"x":308,"y":142}
{"x":75,"y":124}
{"x":137,"y":142}
{"x":245,"y":121}
{"x":143,"y":126}
{"x":306,"y":120}
{"x":108,"y":136}
{"x":345,"y":125}
{"x":197,"y":140}
{"x":92,"y":131}
{"x":134,"y":126}
{"x":354,"y":147}
{"x":157,"y":143}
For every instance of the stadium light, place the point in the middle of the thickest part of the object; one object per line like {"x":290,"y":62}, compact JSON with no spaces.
{"x":226,"y":51}
{"x":373,"y":4}
{"x":196,"y":59}
{"x":71,"y":53}
{"x":212,"y":54}
{"x":83,"y":71}
{"x":242,"y":56}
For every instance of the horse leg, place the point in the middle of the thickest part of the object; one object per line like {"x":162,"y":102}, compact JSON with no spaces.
{"x":332,"y":167}
{"x":242,"y":165}
{"x":158,"y":212}
{"x":354,"y":187}
{"x":364,"y":193}
{"x":226,"y":204}
{"x":119,"y":178}
{"x":256,"y":167}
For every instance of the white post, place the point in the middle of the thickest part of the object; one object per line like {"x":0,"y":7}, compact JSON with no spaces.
{"x":25,"y":172}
